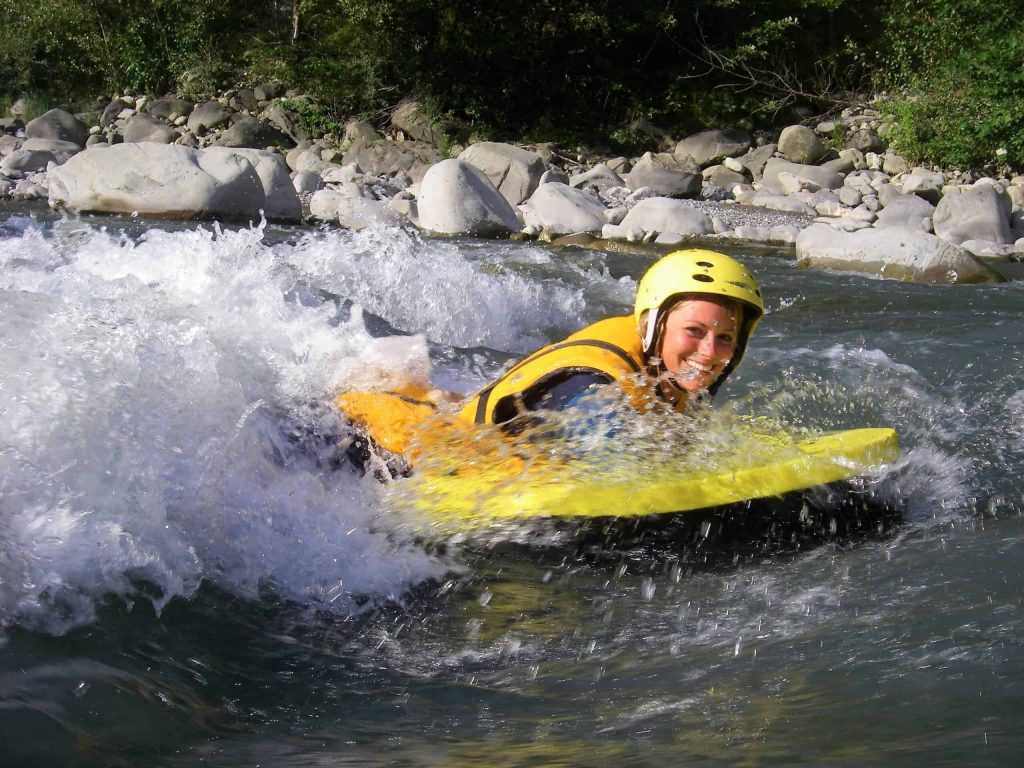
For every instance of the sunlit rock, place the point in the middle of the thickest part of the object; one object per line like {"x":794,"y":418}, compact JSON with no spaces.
{"x":707,"y":147}
{"x":162,"y":180}
{"x":799,"y":144}
{"x":662,"y":214}
{"x":456,"y":197}
{"x":900,"y":253}
{"x":282,"y":201}
{"x":515,"y":172}
{"x":822,"y":177}
{"x":981,"y":212}
{"x":559,"y":209}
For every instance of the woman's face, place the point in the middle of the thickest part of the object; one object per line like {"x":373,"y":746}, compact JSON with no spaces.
{"x":698,"y":342}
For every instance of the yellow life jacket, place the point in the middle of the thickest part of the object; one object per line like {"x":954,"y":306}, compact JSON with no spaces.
{"x":611,"y":347}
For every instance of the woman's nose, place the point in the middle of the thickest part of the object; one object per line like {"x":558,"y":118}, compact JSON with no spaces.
{"x":709,"y":345}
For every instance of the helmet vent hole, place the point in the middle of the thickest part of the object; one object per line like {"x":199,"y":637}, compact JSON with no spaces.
{"x":707,"y":264}
{"x":704,"y":278}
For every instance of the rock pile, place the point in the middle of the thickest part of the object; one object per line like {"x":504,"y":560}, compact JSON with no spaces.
{"x":242,"y":156}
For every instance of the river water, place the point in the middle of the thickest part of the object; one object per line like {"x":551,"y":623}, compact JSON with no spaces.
{"x":186,"y":578}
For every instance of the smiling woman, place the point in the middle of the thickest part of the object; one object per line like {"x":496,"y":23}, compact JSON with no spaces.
{"x":694,"y":312}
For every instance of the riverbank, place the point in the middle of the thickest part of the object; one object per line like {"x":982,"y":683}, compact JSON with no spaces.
{"x":832,"y":192}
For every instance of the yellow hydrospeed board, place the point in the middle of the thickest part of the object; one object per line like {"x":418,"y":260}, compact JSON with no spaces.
{"x":466,"y":478}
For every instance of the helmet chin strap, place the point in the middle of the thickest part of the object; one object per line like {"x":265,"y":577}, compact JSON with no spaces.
{"x":652,"y":327}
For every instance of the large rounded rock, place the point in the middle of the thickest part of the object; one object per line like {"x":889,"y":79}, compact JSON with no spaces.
{"x":139,"y":128}
{"x":26,"y":161}
{"x":823,"y":178}
{"x":163,"y":109}
{"x":111,"y":111}
{"x":665,"y":177}
{"x":977,"y":213}
{"x":456,"y":197}
{"x":165,"y":180}
{"x":60,"y":125}
{"x":925,"y":183}
{"x":207,"y":116}
{"x":281,"y":200}
{"x":62,"y":150}
{"x":900,"y":253}
{"x":708,"y":147}
{"x":254,"y":133}
{"x":387,"y":158}
{"x":800,"y":144}
{"x":664,"y":215}
{"x":906,"y":211}
{"x":756,"y":159}
{"x":514,"y":171}
{"x":865,"y":140}
{"x":417,"y":123}
{"x":559,"y":209}
{"x":600,"y":177}
{"x":360,"y":130}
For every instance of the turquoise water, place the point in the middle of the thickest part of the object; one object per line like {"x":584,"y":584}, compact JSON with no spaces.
{"x":185,"y":579}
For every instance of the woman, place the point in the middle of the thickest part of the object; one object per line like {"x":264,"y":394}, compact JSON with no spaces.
{"x":694,"y":312}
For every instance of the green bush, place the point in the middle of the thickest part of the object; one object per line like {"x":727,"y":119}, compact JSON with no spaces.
{"x":957,"y":72}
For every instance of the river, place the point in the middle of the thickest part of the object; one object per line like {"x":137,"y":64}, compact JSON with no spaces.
{"x":186,"y":578}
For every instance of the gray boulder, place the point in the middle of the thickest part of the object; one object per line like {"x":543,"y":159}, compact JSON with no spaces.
{"x":925,"y":183}
{"x":111,"y":112}
{"x":865,"y":140}
{"x":664,"y":176}
{"x":61,"y":150}
{"x":387,"y":158}
{"x":980,"y":212}
{"x":164,"y":180}
{"x":360,"y":130}
{"x":286,"y":121}
{"x":207,"y":116}
{"x":26,"y":161}
{"x":162,"y":109}
{"x":894,"y":164}
{"x":281,"y":200}
{"x":800,"y":144}
{"x":899,"y":253}
{"x":709,"y":147}
{"x":9,"y":144}
{"x":514,"y":171}
{"x":243,"y":100}
{"x":662,"y":214}
{"x":782,"y":203}
{"x":323,"y":206}
{"x":559,"y":209}
{"x":253,"y":132}
{"x":415,"y":121}
{"x":599,"y":177}
{"x":360,"y":213}
{"x":755,"y":160}
{"x":906,"y":211}
{"x":267,"y":91}
{"x":138,"y":128}
{"x":722,"y":176}
{"x":58,"y":124}
{"x":307,"y":182}
{"x":456,"y":197}
{"x":823,"y":178}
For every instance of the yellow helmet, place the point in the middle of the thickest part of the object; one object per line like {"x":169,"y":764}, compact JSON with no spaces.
{"x":697,"y":271}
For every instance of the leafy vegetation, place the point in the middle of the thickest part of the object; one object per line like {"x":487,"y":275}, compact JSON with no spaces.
{"x":957,"y":69}
{"x":552,"y":68}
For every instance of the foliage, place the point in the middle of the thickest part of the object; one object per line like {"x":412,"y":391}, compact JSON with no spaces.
{"x":957,"y":69}
{"x":311,"y":117}
{"x":583,"y":69}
